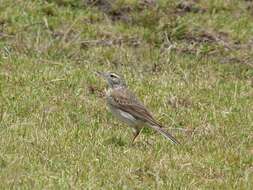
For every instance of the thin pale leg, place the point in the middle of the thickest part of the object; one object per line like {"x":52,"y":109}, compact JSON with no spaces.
{"x":136,"y":134}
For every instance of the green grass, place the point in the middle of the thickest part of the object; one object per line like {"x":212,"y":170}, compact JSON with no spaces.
{"x":194,"y":70}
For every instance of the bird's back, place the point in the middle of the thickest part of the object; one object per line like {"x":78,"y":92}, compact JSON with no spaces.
{"x":124,"y":99}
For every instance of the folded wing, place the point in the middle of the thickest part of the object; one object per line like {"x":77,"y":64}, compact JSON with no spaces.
{"x":126,"y":101}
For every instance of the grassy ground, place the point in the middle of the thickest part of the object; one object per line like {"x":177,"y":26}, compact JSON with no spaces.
{"x":191,"y":63}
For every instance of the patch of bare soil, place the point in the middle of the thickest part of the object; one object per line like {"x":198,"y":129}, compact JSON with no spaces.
{"x":249,"y":6}
{"x":95,"y":90}
{"x":120,"y":13}
{"x":147,"y":3}
{"x":208,"y":37}
{"x":221,"y":46}
{"x":184,"y":7}
{"x":133,"y":42}
{"x":106,"y":6}
{"x":192,"y":41}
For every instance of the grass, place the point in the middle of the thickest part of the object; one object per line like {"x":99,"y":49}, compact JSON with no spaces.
{"x":192,"y":66}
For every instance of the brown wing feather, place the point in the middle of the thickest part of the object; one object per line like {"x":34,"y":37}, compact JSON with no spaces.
{"x":126,"y":101}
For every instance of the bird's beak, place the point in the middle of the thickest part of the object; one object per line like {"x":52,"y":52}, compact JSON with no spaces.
{"x":101,"y":74}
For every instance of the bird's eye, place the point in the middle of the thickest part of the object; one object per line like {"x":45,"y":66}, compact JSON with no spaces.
{"x":113,"y":76}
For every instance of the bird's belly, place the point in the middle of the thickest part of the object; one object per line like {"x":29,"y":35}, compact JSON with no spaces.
{"x":124,"y":116}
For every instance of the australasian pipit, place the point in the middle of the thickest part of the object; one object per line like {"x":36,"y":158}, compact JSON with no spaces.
{"x":127,"y":108}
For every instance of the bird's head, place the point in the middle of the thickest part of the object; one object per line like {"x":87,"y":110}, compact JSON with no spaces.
{"x":112,"y":79}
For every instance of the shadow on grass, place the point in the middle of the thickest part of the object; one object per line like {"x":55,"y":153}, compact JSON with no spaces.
{"x":116,"y":141}
{"x":119,"y":142}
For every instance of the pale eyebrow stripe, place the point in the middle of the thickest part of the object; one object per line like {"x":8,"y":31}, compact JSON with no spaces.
{"x":115,"y":75}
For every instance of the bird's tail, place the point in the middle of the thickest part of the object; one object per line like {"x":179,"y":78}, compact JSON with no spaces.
{"x":165,"y":134}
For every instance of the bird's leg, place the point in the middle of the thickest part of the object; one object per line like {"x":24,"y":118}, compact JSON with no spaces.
{"x":136,"y":134}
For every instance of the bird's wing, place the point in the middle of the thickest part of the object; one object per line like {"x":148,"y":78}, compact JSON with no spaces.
{"x":125,"y":100}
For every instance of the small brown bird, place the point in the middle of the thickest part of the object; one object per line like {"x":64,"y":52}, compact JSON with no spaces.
{"x":127,"y":108}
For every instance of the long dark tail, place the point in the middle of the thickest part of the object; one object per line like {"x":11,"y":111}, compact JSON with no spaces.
{"x":165,"y":134}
